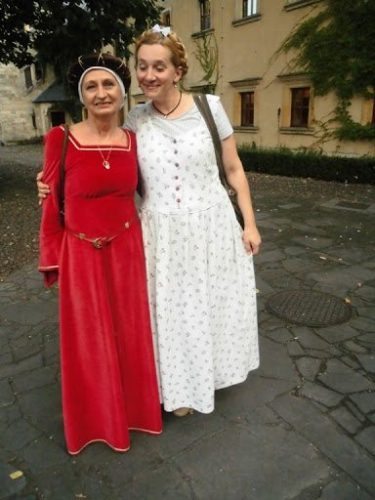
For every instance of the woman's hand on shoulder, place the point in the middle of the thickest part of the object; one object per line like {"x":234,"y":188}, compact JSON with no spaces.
{"x":251,"y":239}
{"x":43,"y":189}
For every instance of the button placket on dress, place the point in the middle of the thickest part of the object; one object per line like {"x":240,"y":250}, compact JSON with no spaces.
{"x":177,"y":177}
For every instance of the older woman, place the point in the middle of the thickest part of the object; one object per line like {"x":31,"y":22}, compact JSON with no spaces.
{"x":108,"y":372}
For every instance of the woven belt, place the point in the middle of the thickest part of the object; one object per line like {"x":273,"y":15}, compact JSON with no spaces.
{"x":101,"y":241}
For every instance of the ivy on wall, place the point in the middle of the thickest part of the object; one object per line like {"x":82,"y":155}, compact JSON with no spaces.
{"x":336,"y":49}
{"x":207,"y":54}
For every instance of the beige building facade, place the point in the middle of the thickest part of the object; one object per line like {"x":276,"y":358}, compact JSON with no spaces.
{"x":270,"y":103}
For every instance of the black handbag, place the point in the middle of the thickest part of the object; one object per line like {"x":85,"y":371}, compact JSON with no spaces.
{"x":204,"y":108}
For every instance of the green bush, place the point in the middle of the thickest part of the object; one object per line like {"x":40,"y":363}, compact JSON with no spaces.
{"x":283,"y":161}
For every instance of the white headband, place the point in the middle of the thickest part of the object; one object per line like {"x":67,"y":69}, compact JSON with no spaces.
{"x":115,"y":75}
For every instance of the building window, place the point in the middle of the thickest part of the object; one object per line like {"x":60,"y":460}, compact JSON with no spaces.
{"x":300,"y":107}
{"x":205,"y":14}
{"x":296,"y":4}
{"x":247,"y":109}
{"x":249,"y":7}
{"x":38,"y":71}
{"x":28,"y":79}
{"x":166,"y":17}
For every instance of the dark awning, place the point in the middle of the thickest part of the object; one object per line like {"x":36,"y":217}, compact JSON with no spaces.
{"x":54,"y":93}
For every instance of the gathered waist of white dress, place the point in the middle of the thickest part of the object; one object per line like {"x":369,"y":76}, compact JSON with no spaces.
{"x":152,"y":208}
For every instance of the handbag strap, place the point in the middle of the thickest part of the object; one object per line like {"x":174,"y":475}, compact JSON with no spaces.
{"x":61,"y":194}
{"x":205,"y":110}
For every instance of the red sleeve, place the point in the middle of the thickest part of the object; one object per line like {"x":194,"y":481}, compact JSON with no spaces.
{"x":51,"y":230}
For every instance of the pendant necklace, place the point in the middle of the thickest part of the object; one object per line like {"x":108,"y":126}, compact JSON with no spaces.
{"x":105,"y":161}
{"x":165,"y":115}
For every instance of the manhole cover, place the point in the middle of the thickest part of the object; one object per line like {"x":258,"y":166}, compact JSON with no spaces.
{"x":304,"y":307}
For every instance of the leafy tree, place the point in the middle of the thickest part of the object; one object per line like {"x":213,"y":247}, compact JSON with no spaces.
{"x":61,"y":30}
{"x":336,"y":48}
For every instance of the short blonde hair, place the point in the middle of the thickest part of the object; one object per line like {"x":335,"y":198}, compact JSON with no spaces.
{"x":171,"y":41}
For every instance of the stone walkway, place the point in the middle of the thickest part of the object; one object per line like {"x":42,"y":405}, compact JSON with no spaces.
{"x":301,"y":427}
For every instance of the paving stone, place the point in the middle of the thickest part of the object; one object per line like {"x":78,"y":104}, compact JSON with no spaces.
{"x":25,"y":365}
{"x":337,"y":333}
{"x":343,"y":490}
{"x":346,"y":277}
{"x":365,"y":401}
{"x":355,"y":411}
{"x":294,"y":251}
{"x":43,"y":451}
{"x":366,"y":312}
{"x":272,"y":256}
{"x":239,"y":401}
{"x":354,"y":347}
{"x":29,"y":349}
{"x":42,"y":407}
{"x":364,"y":324}
{"x":30,"y":313}
{"x":10,"y":487}
{"x":297,"y":265}
{"x":18,"y":435}
{"x":319,"y":430}
{"x":6,"y":394}
{"x":346,"y":419}
{"x":367,"y":361}
{"x":294,"y":349}
{"x":275,"y":361}
{"x":288,"y":206}
{"x":35,"y":378}
{"x":367,"y":293}
{"x":350,"y":362}
{"x":320,"y":394}
{"x":164,"y":483}
{"x":309,"y":339}
{"x":222,"y":476}
{"x":280,"y":335}
{"x":367,"y":438}
{"x":341,"y":378}
{"x":313,"y":353}
{"x":62,"y":483}
{"x":312,"y":242}
{"x":262,"y":285}
{"x":308,"y":367}
{"x":310,"y":232}
{"x":367,"y":339}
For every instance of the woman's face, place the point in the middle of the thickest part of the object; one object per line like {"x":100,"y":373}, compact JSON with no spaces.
{"x":101,"y":93}
{"x":156,"y":73}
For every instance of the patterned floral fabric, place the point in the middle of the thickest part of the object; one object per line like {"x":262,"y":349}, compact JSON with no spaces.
{"x":200,"y":279}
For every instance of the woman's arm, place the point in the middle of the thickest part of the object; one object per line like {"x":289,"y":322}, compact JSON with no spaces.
{"x":51,"y":230}
{"x":237,"y":179}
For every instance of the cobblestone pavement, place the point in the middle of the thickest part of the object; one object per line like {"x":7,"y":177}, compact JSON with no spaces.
{"x":302,"y":425}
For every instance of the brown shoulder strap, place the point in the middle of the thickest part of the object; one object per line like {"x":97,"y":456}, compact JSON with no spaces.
{"x":205,"y":110}
{"x":62,"y":173}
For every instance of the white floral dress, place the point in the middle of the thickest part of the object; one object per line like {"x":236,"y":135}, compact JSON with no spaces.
{"x":200,"y":279}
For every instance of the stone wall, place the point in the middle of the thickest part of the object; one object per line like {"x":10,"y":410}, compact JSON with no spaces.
{"x":17,"y":115}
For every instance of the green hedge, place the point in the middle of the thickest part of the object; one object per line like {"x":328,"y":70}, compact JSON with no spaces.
{"x":359,"y":170}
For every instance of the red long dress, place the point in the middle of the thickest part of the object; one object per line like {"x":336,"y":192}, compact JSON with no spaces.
{"x":109,"y":383}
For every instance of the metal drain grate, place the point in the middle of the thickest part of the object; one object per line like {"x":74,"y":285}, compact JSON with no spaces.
{"x":305,"y":307}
